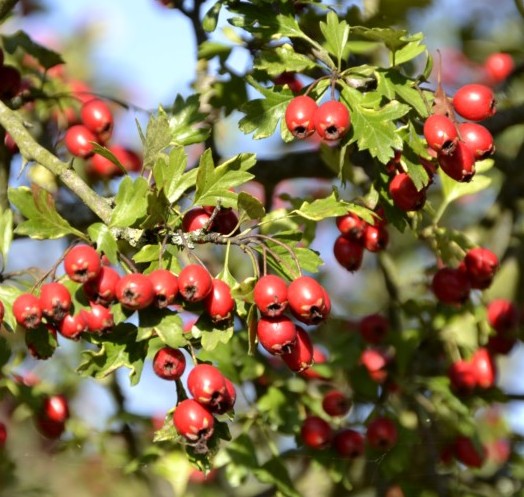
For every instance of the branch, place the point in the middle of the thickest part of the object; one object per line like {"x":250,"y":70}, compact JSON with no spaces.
{"x":6,"y":6}
{"x":32,"y":151}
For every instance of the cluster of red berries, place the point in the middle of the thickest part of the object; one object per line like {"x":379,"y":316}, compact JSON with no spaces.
{"x":459,"y":145}
{"x":10,"y":80}
{"x":308,"y":302}
{"x":224,"y":220}
{"x":476,"y":271}
{"x":357,"y":235}
{"x":331,"y":120}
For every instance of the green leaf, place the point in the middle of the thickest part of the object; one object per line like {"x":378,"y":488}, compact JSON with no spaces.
{"x":6,"y":233}
{"x":255,"y":19}
{"x":411,"y":50}
{"x":40,"y":341}
{"x":250,"y":205}
{"x":229,"y":94}
{"x":8,"y":294}
{"x":148,"y":253}
{"x":43,"y":220}
{"x":263,"y":114}
{"x":210,"y":49}
{"x":172,"y":176}
{"x":105,"y":240}
{"x":323,"y":208}
{"x":166,"y":324}
{"x":394,"y":39}
{"x":336,"y":33}
{"x":392,"y":83}
{"x":279,"y":410}
{"x":453,"y":190}
{"x":214,"y":184}
{"x":5,"y":352}
{"x":45,"y":57}
{"x":282,"y":59}
{"x":118,"y":348}
{"x":110,"y":156}
{"x":157,"y":139}
{"x":211,"y":335}
{"x":185,"y":121}
{"x":130,"y":202}
{"x":210,"y":20}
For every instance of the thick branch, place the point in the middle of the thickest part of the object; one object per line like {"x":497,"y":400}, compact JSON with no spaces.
{"x":32,"y":151}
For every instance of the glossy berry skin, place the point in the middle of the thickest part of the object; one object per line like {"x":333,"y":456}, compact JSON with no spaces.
{"x":474,"y":102}
{"x":460,"y":164}
{"x":462,"y":377}
{"x":306,"y":300}
{"x":349,"y":443}
{"x":315,"y":432}
{"x":332,"y":120}
{"x":78,"y":140}
{"x":451,"y":286}
{"x":102,"y":167}
{"x":219,"y":304}
{"x":276,"y":334}
{"x":72,"y":326}
{"x":135,"y":291}
{"x":373,"y":328}
{"x":481,"y":266}
{"x":469,"y":453}
{"x":300,"y":357}
{"x":102,"y":288}
{"x":351,"y":226}
{"x":503,"y":315}
{"x":404,"y":193}
{"x":376,"y":237}
{"x":335,"y":403}
{"x":82,"y":263}
{"x":165,"y":287}
{"x":441,"y":133}
{"x":382,"y":433}
{"x":27,"y":310}
{"x":194,"y":283}
{"x":52,"y":416}
{"x":195,"y":219}
{"x":99,"y":319}
{"x":484,"y":368}
{"x":499,"y":66}
{"x":299,"y":116}
{"x":478,"y":139}
{"x":225,"y":222}
{"x":55,"y":301}
{"x":193,"y":421}
{"x":207,"y":385}
{"x":348,"y":253}
{"x":97,"y":118}
{"x":169,"y":364}
{"x":270,"y":295}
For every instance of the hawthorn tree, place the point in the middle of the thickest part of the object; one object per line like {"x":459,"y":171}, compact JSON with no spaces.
{"x":338,"y":335}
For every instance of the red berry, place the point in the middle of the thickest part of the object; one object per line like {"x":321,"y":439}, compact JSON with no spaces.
{"x":55,"y":301}
{"x":3,"y":435}
{"x":97,"y":117}
{"x":349,"y":443}
{"x":73,"y":325}
{"x":306,"y":300}
{"x":451,"y":286}
{"x":440,"y":133}
{"x":78,"y":140}
{"x":228,"y":401}
{"x":460,"y":164}
{"x":499,"y":66}
{"x":219,"y":303}
{"x":299,"y":116}
{"x":99,"y":319}
{"x":374,"y":328}
{"x":169,"y":363}
{"x":207,"y":385}
{"x":332,"y":120}
{"x":102,"y":288}
{"x":469,"y":453}
{"x":316,"y":432}
{"x":193,"y":421}
{"x":351,"y":226}
{"x":276,"y":334}
{"x":405,"y":194}
{"x":52,"y":416}
{"x":10,"y":82}
{"x":103,"y":167}
{"x":225,"y":222}
{"x":318,"y":358}
{"x":335,"y":403}
{"x":27,"y":310}
{"x":194,"y":283}
{"x":2,"y":312}
{"x":300,"y":357}
{"x":82,"y":263}
{"x":348,"y":252}
{"x":478,"y":139}
{"x":135,"y":291}
{"x":382,"y":433}
{"x":503,"y":315}
{"x":376,"y":237}
{"x":165,"y":287}
{"x":290,"y":79}
{"x":376,"y":363}
{"x":196,"y":218}
{"x":474,"y":102}
{"x":270,"y":295}
{"x":481,"y":265}
{"x":484,"y":368}
{"x":462,"y":377}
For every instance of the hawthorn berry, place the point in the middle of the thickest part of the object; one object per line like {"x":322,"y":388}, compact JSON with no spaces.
{"x":103,"y":167}
{"x":382,"y":433}
{"x":451,"y":285}
{"x":219,"y":304}
{"x":52,"y":416}
{"x":348,"y":252}
{"x":474,"y":102}
{"x":484,"y":368}
{"x":349,"y":443}
{"x":195,"y":219}
{"x":72,"y":325}
{"x":290,"y":79}
{"x":481,"y":266}
{"x":469,"y":453}
{"x":228,"y":401}
{"x":376,"y":237}
{"x":207,"y":385}
{"x":478,"y":139}
{"x":499,"y":66}
{"x":194,"y":283}
{"x":102,"y":288}
{"x":336,"y":403}
{"x":193,"y":421}
{"x":99,"y":319}
{"x":306,"y":300}
{"x":300,"y":356}
{"x":319,"y":357}
{"x":462,"y":377}
{"x":373,"y":328}
{"x":503,"y":315}
{"x":82,"y":263}
{"x":165,"y":287}
{"x":300,"y":115}
{"x":332,"y":120}
{"x":351,"y":226}
{"x":315,"y":432}
{"x":376,"y":362}
{"x":27,"y":310}
{"x":97,"y":118}
{"x":135,"y":291}
{"x":169,"y":363}
{"x":270,"y":295}
{"x":460,"y":164}
{"x":440,"y":133}
{"x":277,"y":334}
{"x":55,"y":301}
{"x":79,"y":141}
{"x":3,"y":435}
{"x":405,"y":194}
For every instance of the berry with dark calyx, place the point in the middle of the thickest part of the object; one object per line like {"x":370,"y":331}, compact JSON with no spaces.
{"x":276,"y":334}
{"x":351,"y":226}
{"x":376,"y":237}
{"x":99,"y":319}
{"x":79,"y":141}
{"x":474,"y":102}
{"x":194,"y":283}
{"x":382,"y":433}
{"x":481,"y":266}
{"x":484,"y":368}
{"x":10,"y":82}
{"x":376,"y":362}
{"x":72,"y":326}
{"x":219,"y":304}
{"x":460,"y":164}
{"x":300,"y":357}
{"x":332,"y":120}
{"x":306,"y":300}
{"x":228,"y":401}
{"x":98,"y":118}
{"x":82,"y":263}
{"x":193,"y":421}
{"x":478,"y":139}
{"x":440,"y":133}
{"x":451,"y":286}
{"x":499,"y":66}
{"x":405,"y":194}
{"x":349,"y":443}
{"x":462,"y":377}
{"x":165,"y":287}
{"x":270,"y":295}
{"x":469,"y":453}
{"x":102,"y":288}
{"x":195,"y":219}
{"x":300,"y":115}
{"x":315,"y":432}
{"x":135,"y":291}
{"x":27,"y":310}
{"x":336,"y":403}
{"x":55,"y":301}
{"x":207,"y":385}
{"x":348,"y":253}
{"x":503,"y":315}
{"x":169,"y":363}
{"x":373,"y":328}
